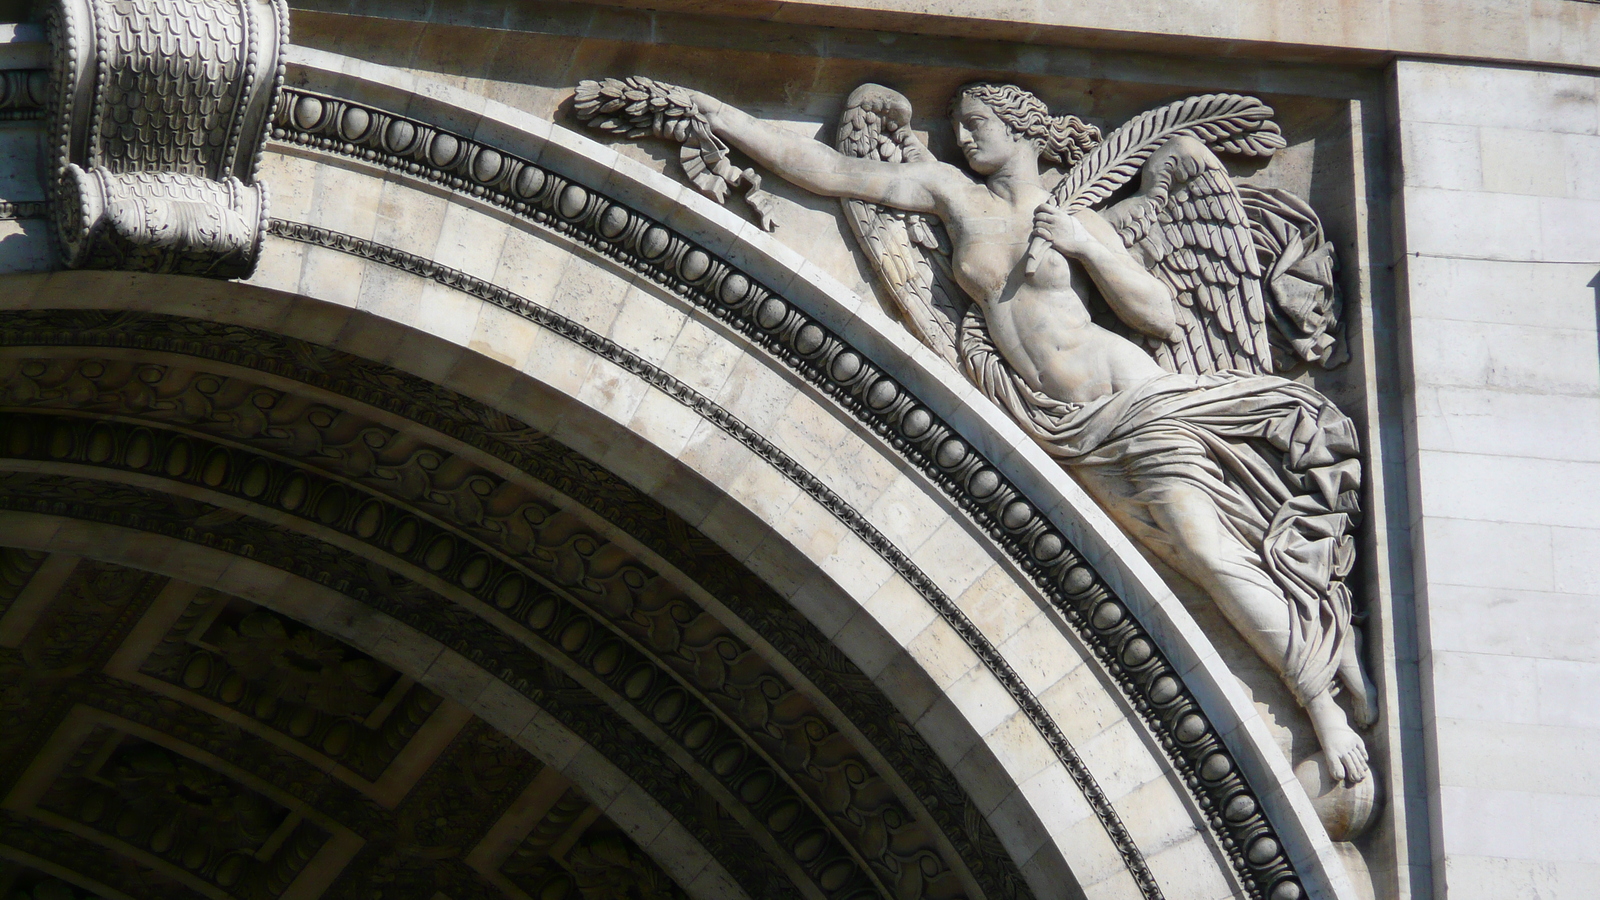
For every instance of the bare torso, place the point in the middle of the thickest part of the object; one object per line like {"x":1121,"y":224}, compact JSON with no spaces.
{"x":1041,"y":326}
{"x":1038,"y":322}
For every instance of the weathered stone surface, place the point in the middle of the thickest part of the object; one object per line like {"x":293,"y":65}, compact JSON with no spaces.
{"x":435,"y":211}
{"x":1502,"y":365}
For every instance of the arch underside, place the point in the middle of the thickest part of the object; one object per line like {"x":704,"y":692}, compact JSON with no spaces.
{"x":495,"y":558}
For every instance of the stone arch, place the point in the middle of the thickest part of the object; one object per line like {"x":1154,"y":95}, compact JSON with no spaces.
{"x":578,"y":358}
{"x":192,"y":566}
{"x":522,"y":584}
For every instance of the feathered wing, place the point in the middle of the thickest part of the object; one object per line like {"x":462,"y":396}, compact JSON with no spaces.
{"x":1189,"y":225}
{"x":910,"y":252}
{"x":1188,"y":222}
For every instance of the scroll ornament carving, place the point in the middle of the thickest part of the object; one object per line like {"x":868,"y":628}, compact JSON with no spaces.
{"x":1168,"y":410}
{"x":159,"y":112}
{"x":160,"y":222}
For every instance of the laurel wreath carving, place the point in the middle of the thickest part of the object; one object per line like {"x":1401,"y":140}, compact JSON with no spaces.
{"x":1227,"y":123}
{"x":635,"y":107}
{"x":638,"y":107}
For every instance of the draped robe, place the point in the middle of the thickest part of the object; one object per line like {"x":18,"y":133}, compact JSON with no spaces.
{"x":1278,"y":460}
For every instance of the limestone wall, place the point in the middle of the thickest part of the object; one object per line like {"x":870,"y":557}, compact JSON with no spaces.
{"x":1559,"y":32}
{"x":1501,"y":233}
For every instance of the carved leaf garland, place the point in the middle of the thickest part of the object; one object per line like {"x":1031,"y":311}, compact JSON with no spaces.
{"x":635,"y":107}
{"x":1227,"y":123}
{"x":638,"y":107}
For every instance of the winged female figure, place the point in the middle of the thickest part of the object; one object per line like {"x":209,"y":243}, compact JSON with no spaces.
{"x":1242,"y":481}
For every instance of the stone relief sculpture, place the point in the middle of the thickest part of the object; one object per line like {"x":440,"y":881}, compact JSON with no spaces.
{"x":1169,"y":413}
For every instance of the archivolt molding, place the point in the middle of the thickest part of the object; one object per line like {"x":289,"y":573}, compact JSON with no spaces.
{"x":570,"y":701}
{"x":642,"y":244}
{"x":1133,"y":651}
{"x":497,"y":552}
{"x":771,"y":321}
{"x":129,"y":740}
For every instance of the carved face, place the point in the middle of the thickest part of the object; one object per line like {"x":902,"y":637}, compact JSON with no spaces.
{"x":987,"y":142}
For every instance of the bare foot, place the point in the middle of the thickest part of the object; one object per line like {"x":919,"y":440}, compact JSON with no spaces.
{"x":1345,"y":751}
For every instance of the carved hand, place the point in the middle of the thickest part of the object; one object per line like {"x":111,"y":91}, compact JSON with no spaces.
{"x":1062,"y":230}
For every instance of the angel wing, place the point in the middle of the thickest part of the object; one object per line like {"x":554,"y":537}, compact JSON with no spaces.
{"x":1188,"y":222}
{"x":909,"y":252}
{"x":1189,"y":225}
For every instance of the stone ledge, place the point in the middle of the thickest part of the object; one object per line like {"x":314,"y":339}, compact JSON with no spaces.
{"x":1360,"y":32}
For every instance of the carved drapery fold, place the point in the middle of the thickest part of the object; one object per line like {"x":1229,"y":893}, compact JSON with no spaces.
{"x":159,"y":114}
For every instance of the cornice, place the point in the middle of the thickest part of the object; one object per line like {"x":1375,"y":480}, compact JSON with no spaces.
{"x":1362,"y":34}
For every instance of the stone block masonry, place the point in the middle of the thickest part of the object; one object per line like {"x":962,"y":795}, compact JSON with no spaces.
{"x":1501,"y":230}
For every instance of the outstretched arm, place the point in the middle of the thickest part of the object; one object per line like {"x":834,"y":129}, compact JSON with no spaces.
{"x":813,"y":165}
{"x":1137,"y":297}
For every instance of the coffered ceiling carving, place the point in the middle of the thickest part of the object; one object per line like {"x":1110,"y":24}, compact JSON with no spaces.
{"x":214,"y":747}
{"x":171,"y":740}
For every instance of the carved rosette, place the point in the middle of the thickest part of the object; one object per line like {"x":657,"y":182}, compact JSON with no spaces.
{"x":159,"y":114}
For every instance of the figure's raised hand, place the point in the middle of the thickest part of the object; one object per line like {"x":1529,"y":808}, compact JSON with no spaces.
{"x":1062,"y":230}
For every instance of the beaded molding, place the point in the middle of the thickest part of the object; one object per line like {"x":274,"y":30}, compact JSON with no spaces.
{"x":158,"y":112}
{"x":643,"y":245}
{"x":23,"y":209}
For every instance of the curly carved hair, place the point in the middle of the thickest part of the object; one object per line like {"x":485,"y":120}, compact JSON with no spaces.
{"x":1061,"y":139}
